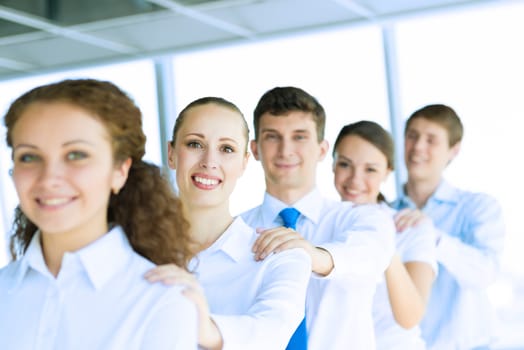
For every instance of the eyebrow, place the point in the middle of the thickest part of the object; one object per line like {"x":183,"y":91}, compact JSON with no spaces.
{"x":68,"y":143}
{"x":222,"y":139}
{"x":305,"y":131}
{"x":349,"y":160}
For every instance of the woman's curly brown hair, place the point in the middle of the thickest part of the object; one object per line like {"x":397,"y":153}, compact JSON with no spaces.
{"x":146,"y":207}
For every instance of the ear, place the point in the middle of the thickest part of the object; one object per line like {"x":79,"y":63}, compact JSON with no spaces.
{"x":254,"y":149}
{"x":324,"y":148}
{"x":244,"y":162}
{"x":454,"y":151}
{"x":120,"y":175}
{"x":171,"y":156}
{"x":389,"y":171}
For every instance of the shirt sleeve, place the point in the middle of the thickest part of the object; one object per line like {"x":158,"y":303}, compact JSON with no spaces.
{"x":474,"y":257}
{"x":419,"y":244}
{"x":279,"y":307}
{"x":364,"y":245}
{"x":173,"y":324}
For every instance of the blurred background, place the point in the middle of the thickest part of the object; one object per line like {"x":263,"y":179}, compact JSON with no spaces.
{"x":363,"y":59}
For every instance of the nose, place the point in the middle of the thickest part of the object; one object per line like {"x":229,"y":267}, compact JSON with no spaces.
{"x":209,"y":160}
{"x":285,"y":147}
{"x":51,"y":172}
{"x":419,"y":144}
{"x":355,"y":175}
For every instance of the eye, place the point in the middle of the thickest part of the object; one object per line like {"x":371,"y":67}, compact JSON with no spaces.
{"x":76,"y":155}
{"x":194,"y":144}
{"x":227,"y":149}
{"x":270,"y":136}
{"x":342,"y":164}
{"x":411,"y":136}
{"x":300,"y":137}
{"x":28,"y":158}
{"x":371,"y":170}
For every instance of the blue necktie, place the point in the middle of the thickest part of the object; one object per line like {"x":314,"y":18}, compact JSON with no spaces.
{"x":299,"y":339}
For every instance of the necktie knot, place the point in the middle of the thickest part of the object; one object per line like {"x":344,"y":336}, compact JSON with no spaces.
{"x":290,"y":217}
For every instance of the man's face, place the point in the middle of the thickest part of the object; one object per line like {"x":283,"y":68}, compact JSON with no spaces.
{"x":426,"y":149}
{"x":289,"y":150}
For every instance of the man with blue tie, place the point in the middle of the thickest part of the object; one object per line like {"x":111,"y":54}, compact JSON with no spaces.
{"x":350,"y":246}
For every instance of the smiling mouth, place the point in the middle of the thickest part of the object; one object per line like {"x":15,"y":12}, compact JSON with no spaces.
{"x":54,"y":202}
{"x":352,"y":193}
{"x":416,"y":158}
{"x":206,"y":181}
{"x":285,"y":166}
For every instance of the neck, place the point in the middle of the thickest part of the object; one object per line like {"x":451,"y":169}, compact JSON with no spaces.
{"x":55,"y":245}
{"x":420,"y":190}
{"x":208,"y":224}
{"x":288,"y":195}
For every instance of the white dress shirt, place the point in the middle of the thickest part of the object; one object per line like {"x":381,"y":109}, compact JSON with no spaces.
{"x":255,"y":304}
{"x":415,"y":244}
{"x":360,"y":239}
{"x":99,"y":300}
{"x":459,"y":315}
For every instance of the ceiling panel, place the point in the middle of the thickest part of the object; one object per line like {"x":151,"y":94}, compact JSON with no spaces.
{"x":42,"y":35}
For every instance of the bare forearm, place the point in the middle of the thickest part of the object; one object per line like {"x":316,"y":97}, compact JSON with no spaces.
{"x":210,"y":337}
{"x":408,"y":300}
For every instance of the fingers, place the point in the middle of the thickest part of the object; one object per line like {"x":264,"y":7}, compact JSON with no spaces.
{"x":407,"y":218}
{"x":265,"y":235}
{"x":275,"y":240}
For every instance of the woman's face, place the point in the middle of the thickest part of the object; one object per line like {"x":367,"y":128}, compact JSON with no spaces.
{"x":359,"y":168}
{"x":63,"y":169}
{"x":209,"y":155}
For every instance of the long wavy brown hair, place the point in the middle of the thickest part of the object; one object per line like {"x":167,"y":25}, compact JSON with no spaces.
{"x":146,"y":207}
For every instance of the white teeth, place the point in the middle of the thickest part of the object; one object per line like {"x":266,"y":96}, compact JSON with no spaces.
{"x":54,"y":201}
{"x":207,"y":182}
{"x":416,"y":159}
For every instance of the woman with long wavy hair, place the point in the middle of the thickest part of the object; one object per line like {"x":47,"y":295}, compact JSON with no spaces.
{"x":93,"y":217}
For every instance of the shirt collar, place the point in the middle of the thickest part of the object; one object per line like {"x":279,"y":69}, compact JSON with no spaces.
{"x":234,"y":240}
{"x":444,"y":192}
{"x":309,"y":206}
{"x":101,"y":260}
{"x":106,"y":257}
{"x":32,"y":258}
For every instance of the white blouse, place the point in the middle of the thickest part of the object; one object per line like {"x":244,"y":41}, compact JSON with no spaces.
{"x":255,"y":304}
{"x":99,"y":300}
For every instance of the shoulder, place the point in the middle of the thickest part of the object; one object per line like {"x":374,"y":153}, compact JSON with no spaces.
{"x":290,"y":264}
{"x":479,"y":203}
{"x":250,"y":214}
{"x":158,"y":295}
{"x":367,"y":211}
{"x":294,"y":255}
{"x":8,"y":273}
{"x":476,"y":198}
{"x":420,"y":237}
{"x":348,"y":213}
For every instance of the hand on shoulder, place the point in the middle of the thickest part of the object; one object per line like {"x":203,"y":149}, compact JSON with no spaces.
{"x":209,"y":336}
{"x":407,"y":218}
{"x":281,"y":238}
